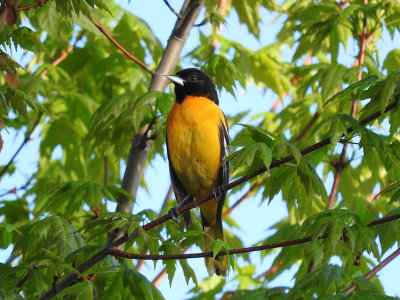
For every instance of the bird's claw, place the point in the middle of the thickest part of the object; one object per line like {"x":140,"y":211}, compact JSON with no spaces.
{"x":218,"y":192}
{"x":174,"y":215}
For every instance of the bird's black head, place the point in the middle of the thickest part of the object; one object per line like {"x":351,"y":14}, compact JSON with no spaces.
{"x":193,"y":82}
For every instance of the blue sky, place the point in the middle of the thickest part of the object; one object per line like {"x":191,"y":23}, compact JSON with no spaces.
{"x":263,"y":215}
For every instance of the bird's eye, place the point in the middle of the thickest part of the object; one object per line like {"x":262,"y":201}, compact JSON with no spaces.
{"x":193,"y":78}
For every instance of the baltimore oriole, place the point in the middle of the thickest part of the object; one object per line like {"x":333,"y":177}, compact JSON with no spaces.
{"x":197,"y":145}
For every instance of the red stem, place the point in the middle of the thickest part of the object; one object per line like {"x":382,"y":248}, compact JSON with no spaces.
{"x":122,"y":49}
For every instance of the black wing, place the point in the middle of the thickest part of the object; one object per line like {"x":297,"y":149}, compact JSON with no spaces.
{"x":179,"y":191}
{"x":223,"y":174}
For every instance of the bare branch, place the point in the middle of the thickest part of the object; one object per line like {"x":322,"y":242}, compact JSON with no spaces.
{"x":271,"y":270}
{"x":122,"y":49}
{"x":375,"y":270}
{"x":204,"y":22}
{"x":294,"y":81}
{"x":307,"y":127}
{"x":63,"y":55}
{"x":172,"y":9}
{"x":26,"y":140}
{"x":29,"y":7}
{"x":372,"y":197}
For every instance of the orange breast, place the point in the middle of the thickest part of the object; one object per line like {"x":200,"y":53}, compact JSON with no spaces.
{"x":193,"y":143}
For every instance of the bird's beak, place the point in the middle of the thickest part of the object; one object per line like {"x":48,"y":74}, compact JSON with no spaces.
{"x":175,"y":79}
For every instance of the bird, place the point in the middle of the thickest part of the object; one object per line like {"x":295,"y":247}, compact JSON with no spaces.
{"x":197,"y":146}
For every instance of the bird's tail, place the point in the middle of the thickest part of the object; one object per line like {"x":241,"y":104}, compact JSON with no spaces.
{"x":218,"y":265}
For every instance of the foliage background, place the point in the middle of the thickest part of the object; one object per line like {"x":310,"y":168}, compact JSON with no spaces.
{"x":70,"y":118}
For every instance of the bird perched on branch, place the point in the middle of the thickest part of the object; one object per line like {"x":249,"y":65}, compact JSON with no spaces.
{"x":197,"y":145}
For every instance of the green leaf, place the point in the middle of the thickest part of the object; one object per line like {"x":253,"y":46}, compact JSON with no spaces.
{"x":138,"y":286}
{"x":5,"y":235}
{"x":223,"y":72}
{"x":70,"y":196}
{"x":105,"y":223}
{"x":389,"y":233}
{"x":345,"y":233}
{"x":257,"y":149}
{"x":15,"y":211}
{"x":52,"y":233}
{"x":27,"y":39}
{"x":218,"y":246}
{"x":248,"y":14}
{"x":392,"y":61}
{"x":290,"y":149}
{"x":188,"y":271}
{"x":353,"y":91}
{"x":321,"y":282}
{"x":164,"y":103}
{"x":19,"y":100}
{"x":338,"y":127}
{"x":186,"y":238}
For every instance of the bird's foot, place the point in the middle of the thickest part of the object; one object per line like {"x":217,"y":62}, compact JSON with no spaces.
{"x":174,"y":215}
{"x":218,"y":192}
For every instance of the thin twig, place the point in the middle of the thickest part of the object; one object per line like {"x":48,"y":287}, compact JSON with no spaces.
{"x":204,"y":22}
{"x":29,"y":7}
{"x":123,"y":50}
{"x":59,"y":59}
{"x":293,"y":81}
{"x":26,"y":140}
{"x":63,"y":55}
{"x":13,"y":191}
{"x":273,"y":269}
{"x":372,"y":197}
{"x":307,"y":127}
{"x":375,"y":270}
{"x":172,"y":9}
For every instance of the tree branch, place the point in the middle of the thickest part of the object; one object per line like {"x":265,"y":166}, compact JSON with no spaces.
{"x":293,"y":81}
{"x":273,"y":269}
{"x":172,"y":9}
{"x":122,"y":49}
{"x":375,"y":270}
{"x":63,"y":55}
{"x":26,"y":140}
{"x":117,"y":252}
{"x":29,"y":7}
